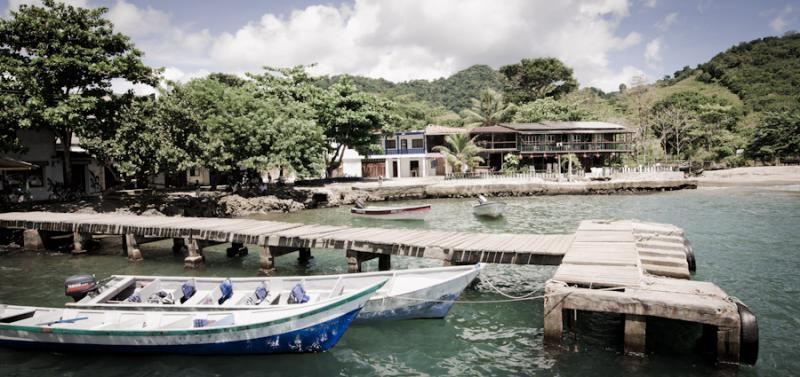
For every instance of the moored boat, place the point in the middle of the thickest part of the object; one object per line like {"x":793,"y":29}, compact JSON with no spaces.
{"x":413,"y":293}
{"x":415,"y":212}
{"x":285,"y":329}
{"x":487,"y":208}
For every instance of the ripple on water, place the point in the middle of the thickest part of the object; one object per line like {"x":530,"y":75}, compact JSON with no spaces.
{"x":746,"y":241}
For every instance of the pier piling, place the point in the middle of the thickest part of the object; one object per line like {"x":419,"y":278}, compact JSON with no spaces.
{"x":132,"y":247}
{"x":32,"y":240}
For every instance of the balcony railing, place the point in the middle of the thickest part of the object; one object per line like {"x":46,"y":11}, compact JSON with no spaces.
{"x":405,"y":151}
{"x":575,"y":147}
{"x":483,"y":144}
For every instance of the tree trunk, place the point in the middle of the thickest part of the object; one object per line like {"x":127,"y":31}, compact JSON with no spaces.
{"x":66,"y":142}
{"x":335,"y":161}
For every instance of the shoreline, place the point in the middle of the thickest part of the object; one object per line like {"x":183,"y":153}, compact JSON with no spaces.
{"x":220,"y":204}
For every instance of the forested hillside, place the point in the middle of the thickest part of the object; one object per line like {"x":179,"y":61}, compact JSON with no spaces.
{"x":452,"y":93}
{"x":765,"y":72}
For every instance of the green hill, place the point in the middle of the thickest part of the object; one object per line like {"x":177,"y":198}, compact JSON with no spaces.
{"x":765,"y":72}
{"x":453,"y":92}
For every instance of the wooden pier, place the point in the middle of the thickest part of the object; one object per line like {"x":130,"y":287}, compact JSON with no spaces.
{"x":640,"y":270}
{"x":630,"y":268}
{"x":191,"y":234}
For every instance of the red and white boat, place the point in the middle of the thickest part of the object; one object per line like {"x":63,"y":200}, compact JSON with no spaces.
{"x":416,"y":212}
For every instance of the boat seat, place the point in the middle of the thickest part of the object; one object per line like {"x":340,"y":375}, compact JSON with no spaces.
{"x":11,"y":315}
{"x":238,"y":298}
{"x":43,"y":317}
{"x":199,"y":296}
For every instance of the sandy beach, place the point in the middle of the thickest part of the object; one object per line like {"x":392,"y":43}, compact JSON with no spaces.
{"x":751,"y":176}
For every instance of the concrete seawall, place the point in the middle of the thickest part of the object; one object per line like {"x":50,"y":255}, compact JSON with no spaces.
{"x":341,"y":195}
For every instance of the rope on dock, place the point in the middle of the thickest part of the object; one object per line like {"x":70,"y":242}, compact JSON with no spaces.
{"x":525,"y":297}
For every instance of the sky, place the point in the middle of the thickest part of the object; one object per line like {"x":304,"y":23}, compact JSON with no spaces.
{"x":605,"y":42}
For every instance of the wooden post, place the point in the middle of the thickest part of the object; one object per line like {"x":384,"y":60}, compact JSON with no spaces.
{"x":195,"y":257}
{"x":79,"y":240}
{"x":728,"y":344}
{"x":267,"y":261}
{"x":553,"y":316}
{"x":353,"y":263}
{"x":134,"y":254}
{"x":384,"y":262}
{"x":237,"y":249}
{"x":304,"y":255}
{"x":179,"y":246}
{"x":635,"y":333}
{"x":32,"y":240}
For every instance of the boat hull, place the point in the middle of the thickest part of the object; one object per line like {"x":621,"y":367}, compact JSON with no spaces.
{"x":494,"y":209}
{"x":393,"y":213}
{"x":408,"y":294}
{"x":316,"y":338}
{"x":292,"y":329}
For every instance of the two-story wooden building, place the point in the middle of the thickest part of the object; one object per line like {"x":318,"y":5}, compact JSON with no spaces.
{"x":540,"y":144}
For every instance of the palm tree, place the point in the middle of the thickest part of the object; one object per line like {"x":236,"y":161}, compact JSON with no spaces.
{"x":462,"y":154}
{"x":488,"y":110}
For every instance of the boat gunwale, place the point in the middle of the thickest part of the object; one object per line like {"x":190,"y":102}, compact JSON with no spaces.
{"x":201,"y":331}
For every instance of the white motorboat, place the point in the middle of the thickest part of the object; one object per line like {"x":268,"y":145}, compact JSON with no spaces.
{"x":415,"y":212}
{"x":311,"y":327}
{"x":413,"y":293}
{"x":487,"y":208}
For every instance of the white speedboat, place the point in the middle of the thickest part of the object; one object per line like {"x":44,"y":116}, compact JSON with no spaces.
{"x":487,"y":208}
{"x":416,"y":212}
{"x":311,"y":327}
{"x":413,"y":293}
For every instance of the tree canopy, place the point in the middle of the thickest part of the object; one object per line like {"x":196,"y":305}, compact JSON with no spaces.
{"x":533,"y":79}
{"x":57,"y":62}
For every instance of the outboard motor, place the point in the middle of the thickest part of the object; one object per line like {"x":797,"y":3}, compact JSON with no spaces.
{"x":360,"y":204}
{"x":79,"y":286}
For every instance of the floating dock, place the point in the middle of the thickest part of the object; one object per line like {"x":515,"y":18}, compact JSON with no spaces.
{"x":635,"y":269}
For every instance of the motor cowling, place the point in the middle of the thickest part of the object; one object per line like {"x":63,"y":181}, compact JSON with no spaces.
{"x":78,"y":286}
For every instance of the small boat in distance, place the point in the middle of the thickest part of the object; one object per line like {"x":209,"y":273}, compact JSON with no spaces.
{"x":487,"y":208}
{"x":286,"y":329}
{"x":417,"y":212}
{"x":412,"y":293}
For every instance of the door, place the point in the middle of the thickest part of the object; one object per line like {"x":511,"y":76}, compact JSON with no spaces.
{"x":414,"y":168}
{"x":394,"y":169}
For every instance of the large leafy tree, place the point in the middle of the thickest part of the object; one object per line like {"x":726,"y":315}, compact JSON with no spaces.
{"x":56,"y":66}
{"x":488,"y":110}
{"x":778,"y":136}
{"x":351,"y":118}
{"x":532,"y":79}
{"x":230,"y":126}
{"x":548,"y":109}
{"x":461,"y":153}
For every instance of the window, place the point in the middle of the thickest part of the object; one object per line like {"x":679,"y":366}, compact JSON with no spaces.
{"x":193,"y":172}
{"x":416,"y":143}
{"x":391,"y":144}
{"x":403,"y":144}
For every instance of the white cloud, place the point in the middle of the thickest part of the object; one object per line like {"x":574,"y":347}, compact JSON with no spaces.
{"x":398,"y":40}
{"x":668,"y":21}
{"x":14,"y":4}
{"x":626,"y":76}
{"x":652,"y":51}
{"x":419,"y":39}
{"x":650,"y":3}
{"x":134,"y":22}
{"x":783,"y":19}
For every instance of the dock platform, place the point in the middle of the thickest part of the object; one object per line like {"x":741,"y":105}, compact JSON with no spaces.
{"x":635,"y":269}
{"x":640,"y":270}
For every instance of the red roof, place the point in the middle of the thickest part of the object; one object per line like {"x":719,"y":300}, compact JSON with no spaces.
{"x":491,"y":130}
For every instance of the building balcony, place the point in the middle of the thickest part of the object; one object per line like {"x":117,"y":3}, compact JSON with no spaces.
{"x":404,"y":151}
{"x":576,"y":147}
{"x":497,"y":145}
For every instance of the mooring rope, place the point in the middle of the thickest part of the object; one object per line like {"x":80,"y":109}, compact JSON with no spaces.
{"x":525,"y":297}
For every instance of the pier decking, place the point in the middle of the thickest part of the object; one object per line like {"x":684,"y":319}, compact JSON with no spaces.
{"x":278,"y":238}
{"x":631,"y":268}
{"x":639,"y":270}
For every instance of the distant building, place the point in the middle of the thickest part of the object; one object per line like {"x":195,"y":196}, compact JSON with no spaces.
{"x":45,"y":154}
{"x":537,"y":145}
